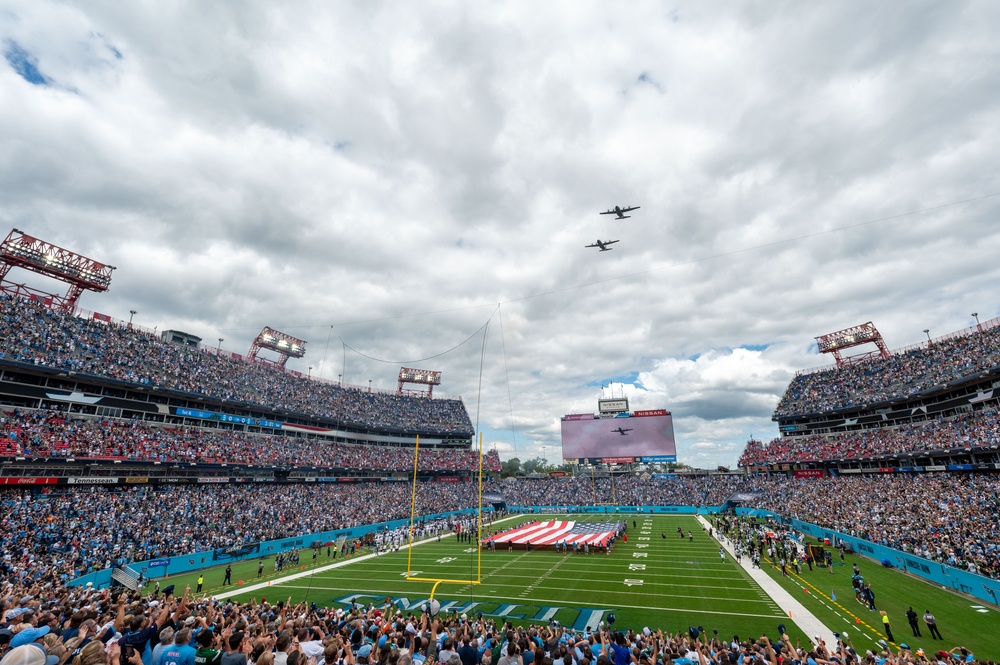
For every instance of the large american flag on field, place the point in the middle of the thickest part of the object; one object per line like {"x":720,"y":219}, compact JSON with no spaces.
{"x":558,"y":531}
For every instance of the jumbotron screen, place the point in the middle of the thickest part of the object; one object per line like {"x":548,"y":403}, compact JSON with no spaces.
{"x":643,"y":436}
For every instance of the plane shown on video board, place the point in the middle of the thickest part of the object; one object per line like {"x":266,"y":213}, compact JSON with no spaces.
{"x":646,"y":435}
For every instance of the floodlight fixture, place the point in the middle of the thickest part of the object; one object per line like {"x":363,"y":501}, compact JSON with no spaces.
{"x":19,"y":250}
{"x":424,"y":377}
{"x":281,"y":343}
{"x":847,"y":338}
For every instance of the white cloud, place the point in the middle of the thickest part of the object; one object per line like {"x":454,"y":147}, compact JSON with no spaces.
{"x":356,"y":166}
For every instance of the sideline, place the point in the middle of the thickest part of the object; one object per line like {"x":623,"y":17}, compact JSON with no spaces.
{"x":797,"y":612}
{"x":322,"y":569}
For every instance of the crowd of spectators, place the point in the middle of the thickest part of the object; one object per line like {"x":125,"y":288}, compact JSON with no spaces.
{"x":31,"y":333}
{"x":951,"y":523}
{"x":621,"y":491}
{"x":946,"y":518}
{"x":91,"y":627}
{"x":51,"y":624}
{"x":980,"y":429}
{"x":68,"y":534}
{"x":31,"y":433}
{"x":901,"y":375}
{"x":48,"y":539}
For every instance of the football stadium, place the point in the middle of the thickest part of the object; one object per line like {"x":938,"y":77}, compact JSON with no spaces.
{"x":237,"y":497}
{"x":458,"y":333}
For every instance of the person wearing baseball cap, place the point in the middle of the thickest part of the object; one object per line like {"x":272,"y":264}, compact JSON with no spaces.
{"x":27,"y":654}
{"x":28,"y":636}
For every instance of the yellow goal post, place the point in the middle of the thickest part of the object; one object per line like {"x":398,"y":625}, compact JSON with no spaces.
{"x":479,"y":526}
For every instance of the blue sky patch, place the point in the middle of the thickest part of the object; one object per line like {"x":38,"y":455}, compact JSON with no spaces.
{"x":25,"y":64}
{"x":627,"y":378}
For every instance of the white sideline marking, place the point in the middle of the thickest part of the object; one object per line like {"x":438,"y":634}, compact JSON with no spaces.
{"x":802,"y":617}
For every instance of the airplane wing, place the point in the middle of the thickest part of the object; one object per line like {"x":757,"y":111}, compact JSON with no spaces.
{"x":610,"y":212}
{"x":611,"y":242}
{"x":629,"y":209}
{"x":592,"y":245}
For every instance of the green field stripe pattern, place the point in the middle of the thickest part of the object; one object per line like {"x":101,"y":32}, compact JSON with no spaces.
{"x":668,"y":583}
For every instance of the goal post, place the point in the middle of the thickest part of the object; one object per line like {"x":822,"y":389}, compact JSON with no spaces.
{"x":413,"y":516}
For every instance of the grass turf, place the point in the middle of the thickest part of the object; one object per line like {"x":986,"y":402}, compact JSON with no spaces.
{"x":962,"y":620}
{"x":671,"y":583}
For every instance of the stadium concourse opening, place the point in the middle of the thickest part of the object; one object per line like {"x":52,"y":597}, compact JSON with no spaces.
{"x":560,"y":535}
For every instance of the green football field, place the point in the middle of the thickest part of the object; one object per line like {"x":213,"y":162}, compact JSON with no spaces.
{"x":669,"y":583}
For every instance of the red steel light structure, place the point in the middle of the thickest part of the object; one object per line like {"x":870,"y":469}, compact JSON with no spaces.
{"x":423,"y":377}
{"x":847,"y":338}
{"x":281,"y":343}
{"x":19,"y":250}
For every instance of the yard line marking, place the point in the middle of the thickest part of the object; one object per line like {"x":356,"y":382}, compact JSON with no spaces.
{"x":570,"y":603}
{"x":344,"y":562}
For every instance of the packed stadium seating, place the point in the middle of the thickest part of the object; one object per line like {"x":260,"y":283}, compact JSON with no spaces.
{"x":31,"y":333}
{"x":79,"y":531}
{"x":57,"y":536}
{"x":949,"y":518}
{"x":54,"y":434}
{"x":941,"y":517}
{"x":625,"y":490}
{"x":902,"y":375}
{"x":980,"y":429}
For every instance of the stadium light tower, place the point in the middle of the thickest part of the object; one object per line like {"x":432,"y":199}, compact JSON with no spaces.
{"x":423,"y":377}
{"x":131,"y":313}
{"x":866,"y":333}
{"x":19,"y":250}
{"x":927,"y":331}
{"x":281,"y":343}
{"x":979,"y":326}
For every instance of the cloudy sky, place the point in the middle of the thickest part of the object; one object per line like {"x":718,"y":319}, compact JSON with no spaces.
{"x":387,"y":178}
